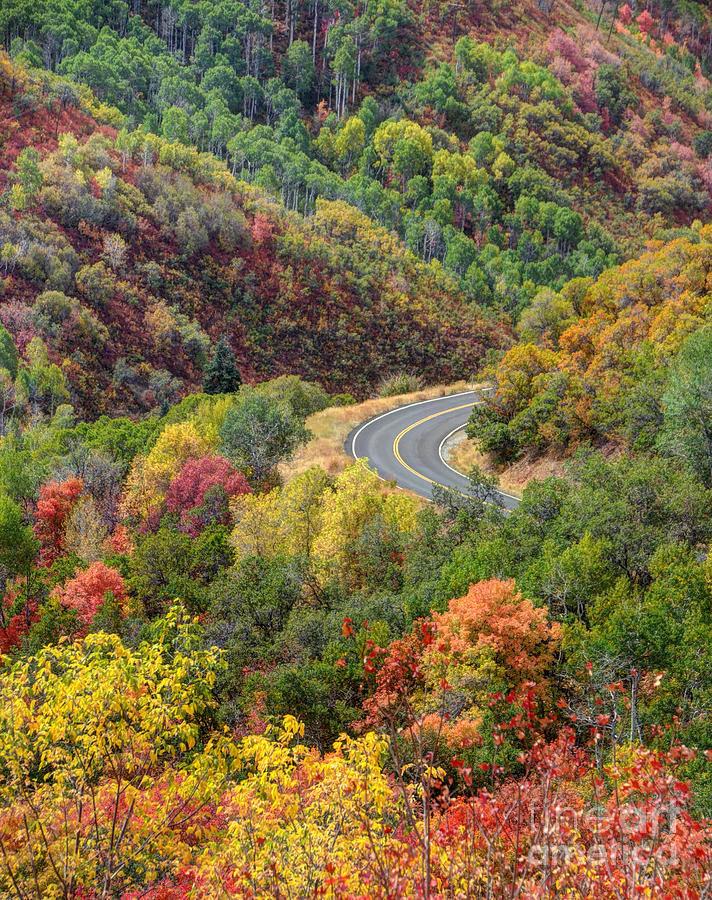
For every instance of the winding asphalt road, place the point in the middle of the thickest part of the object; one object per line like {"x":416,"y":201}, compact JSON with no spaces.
{"x":405,"y":445}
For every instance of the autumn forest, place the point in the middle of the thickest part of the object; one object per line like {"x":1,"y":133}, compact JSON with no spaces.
{"x":234,"y":661}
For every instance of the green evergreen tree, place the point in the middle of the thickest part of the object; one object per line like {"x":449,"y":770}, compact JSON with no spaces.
{"x":221,"y":374}
{"x":9,"y":358}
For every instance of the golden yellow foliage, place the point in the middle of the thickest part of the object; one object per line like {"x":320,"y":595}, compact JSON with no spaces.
{"x":359,"y":496}
{"x":284,"y":521}
{"x":300,"y":821}
{"x":308,"y":516}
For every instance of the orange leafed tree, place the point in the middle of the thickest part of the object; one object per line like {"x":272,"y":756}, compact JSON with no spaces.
{"x":494,"y":614}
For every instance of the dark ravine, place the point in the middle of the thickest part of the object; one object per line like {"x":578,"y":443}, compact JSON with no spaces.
{"x":405,"y":444}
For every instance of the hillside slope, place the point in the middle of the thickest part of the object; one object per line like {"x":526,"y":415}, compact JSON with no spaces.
{"x":622,"y":362}
{"x":129,"y":265}
{"x":519,"y":145}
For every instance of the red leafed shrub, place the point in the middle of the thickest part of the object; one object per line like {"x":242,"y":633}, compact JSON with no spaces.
{"x":585,"y":93}
{"x":168,"y":889}
{"x":201,"y":490}
{"x":685,"y":153}
{"x":669,"y":40}
{"x":562,"y":44}
{"x":119,"y":541}
{"x":262,"y":229}
{"x":562,"y":69}
{"x":53,"y":508}
{"x":557,"y":832}
{"x":10,"y":635}
{"x":17,"y":318}
{"x":492,"y":615}
{"x":399,"y":675}
{"x":645,"y":22}
{"x":17,"y":625}
{"x":625,"y":14}
{"x":705,"y":174}
{"x":87,"y":591}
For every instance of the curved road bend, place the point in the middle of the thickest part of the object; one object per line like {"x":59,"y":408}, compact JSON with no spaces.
{"x":405,"y":445}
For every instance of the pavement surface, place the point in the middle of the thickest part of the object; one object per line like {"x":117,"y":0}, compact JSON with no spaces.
{"x":406,"y":444}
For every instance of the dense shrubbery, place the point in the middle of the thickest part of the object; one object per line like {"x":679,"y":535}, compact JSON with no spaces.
{"x":495,"y":164}
{"x":145,"y":259}
{"x":466,"y":652}
{"x":623,"y":359}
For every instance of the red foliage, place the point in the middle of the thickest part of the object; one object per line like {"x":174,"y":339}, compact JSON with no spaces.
{"x":685,"y":153}
{"x":15,"y":629}
{"x":456,"y":334}
{"x":635,"y":840}
{"x":18,"y":624}
{"x":17,"y":318}
{"x":645,"y":22}
{"x":625,"y":14}
{"x":669,"y":39}
{"x":585,"y":93}
{"x":53,"y":508}
{"x":87,"y":591}
{"x":169,"y":889}
{"x":119,"y":541}
{"x":262,"y":229}
{"x":11,"y":634}
{"x":200,"y":491}
{"x":398,"y":675}
{"x":563,"y":44}
{"x":492,"y":614}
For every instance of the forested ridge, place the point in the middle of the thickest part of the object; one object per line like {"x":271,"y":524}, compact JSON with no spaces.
{"x":127,"y":258}
{"x":227,"y":672}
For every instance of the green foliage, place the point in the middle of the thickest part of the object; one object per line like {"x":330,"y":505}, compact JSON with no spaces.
{"x":251,"y":606}
{"x":328,"y":206}
{"x":8,"y":352}
{"x":221,"y":374}
{"x":611,"y":91}
{"x":702,"y":143}
{"x":687,"y":407}
{"x":303,"y":398}
{"x":120,"y":437}
{"x":299,"y":72}
{"x":164,"y":568}
{"x":258,"y":433}
{"x":18,"y":546}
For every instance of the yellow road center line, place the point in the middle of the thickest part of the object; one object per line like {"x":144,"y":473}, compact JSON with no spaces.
{"x":396,"y":442}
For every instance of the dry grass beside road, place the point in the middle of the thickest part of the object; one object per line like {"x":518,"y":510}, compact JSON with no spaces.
{"x":512,"y":478}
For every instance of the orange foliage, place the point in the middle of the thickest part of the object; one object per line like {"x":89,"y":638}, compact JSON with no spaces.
{"x":494,"y":614}
{"x":653,"y":302}
{"x":645,"y":22}
{"x":119,"y":541}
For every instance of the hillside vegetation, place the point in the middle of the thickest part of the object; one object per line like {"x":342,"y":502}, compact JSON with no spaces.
{"x":234,"y":662}
{"x":127,"y":265}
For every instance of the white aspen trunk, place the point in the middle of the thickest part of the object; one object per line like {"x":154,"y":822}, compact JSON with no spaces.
{"x":316,"y":19}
